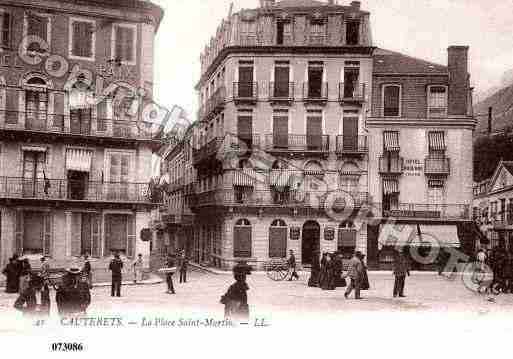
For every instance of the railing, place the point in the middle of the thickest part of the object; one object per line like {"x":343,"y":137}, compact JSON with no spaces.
{"x":429,"y":211}
{"x":63,"y":189}
{"x":281,"y":91}
{"x":290,"y":142}
{"x":391,"y":165}
{"x":245,"y":91}
{"x":352,"y":144}
{"x":249,"y":40}
{"x":348,"y":91}
{"x":57,"y":123}
{"x":315,"y":92}
{"x":317,"y":40}
{"x":207,"y":151}
{"x":437,"y":166}
{"x":214,"y":104}
{"x":273,"y":198}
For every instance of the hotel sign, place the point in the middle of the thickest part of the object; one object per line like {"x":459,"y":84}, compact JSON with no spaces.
{"x":413,"y":167}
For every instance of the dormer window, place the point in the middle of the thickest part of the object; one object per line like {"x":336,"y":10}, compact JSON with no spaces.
{"x":283,"y":32}
{"x":437,"y":101}
{"x":248,"y":33}
{"x":392,"y":101}
{"x":353,"y":32}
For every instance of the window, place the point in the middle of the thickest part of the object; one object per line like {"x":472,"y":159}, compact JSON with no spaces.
{"x":248,"y":33}
{"x":34,"y":175}
{"x":242,"y":239}
{"x":245,"y":86}
{"x":37,"y":25}
{"x":5,"y":29}
{"x":278,"y":239}
{"x":82,"y":39}
{"x":317,"y":32}
{"x":493,"y":211}
{"x":36,"y":104}
{"x":436,"y":144}
{"x":437,"y":101}
{"x":119,"y":234}
{"x":391,"y":100}
{"x":346,"y":239}
{"x":315,"y":80}
{"x":281,"y":79}
{"x":283,"y":32}
{"x":124,"y":43}
{"x":352,"y":32}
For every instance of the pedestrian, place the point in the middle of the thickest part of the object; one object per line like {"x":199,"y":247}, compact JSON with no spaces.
{"x":116,"y":266}
{"x":35,"y":298}
{"x":355,"y":274}
{"x":184,"y":263}
{"x":291,"y":261}
{"x":138,"y":269}
{"x":481,"y":259}
{"x":25,"y":271}
{"x":401,"y":269}
{"x":73,"y":295}
{"x":338,"y":269}
{"x":313,"y":281}
{"x":365,"y":278}
{"x":87,"y":271}
{"x":45,"y":267}
{"x":327,"y":282}
{"x":11,"y":273}
{"x":235,"y":300}
{"x":170,"y":264}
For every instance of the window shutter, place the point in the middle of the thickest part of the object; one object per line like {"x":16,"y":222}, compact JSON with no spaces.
{"x":11,"y":106}
{"x":76,"y":234}
{"x":130,"y":236}
{"x":96,"y":230}
{"x":76,"y":39}
{"x":242,"y":242}
{"x":129,"y":44}
{"x":58,"y":110}
{"x":47,"y":240}
{"x":5,"y":29}
{"x":18,"y":233}
{"x":38,"y":26}
{"x":119,"y":43}
{"x":277,"y":242}
{"x":88,"y":39}
{"x":107,"y":239}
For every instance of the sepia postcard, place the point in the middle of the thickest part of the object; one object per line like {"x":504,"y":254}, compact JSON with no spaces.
{"x":250,"y":178}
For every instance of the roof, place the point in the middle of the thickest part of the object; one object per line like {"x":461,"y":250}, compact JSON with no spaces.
{"x":299,"y":3}
{"x":391,"y":62}
{"x":501,"y":101}
{"x":508,"y":165}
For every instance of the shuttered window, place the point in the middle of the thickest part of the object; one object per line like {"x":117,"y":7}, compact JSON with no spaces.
{"x":242,"y":239}
{"x":278,"y":239}
{"x":124,"y":43}
{"x":12,"y":96}
{"x":38,"y":26}
{"x":82,"y":39}
{"x":391,"y":100}
{"x":5,"y":29}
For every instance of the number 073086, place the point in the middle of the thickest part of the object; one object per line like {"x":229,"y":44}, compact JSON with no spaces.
{"x":67,"y":347}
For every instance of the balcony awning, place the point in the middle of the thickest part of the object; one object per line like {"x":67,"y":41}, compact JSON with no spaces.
{"x":244,"y":178}
{"x":279,"y":178}
{"x":436,"y":141}
{"x":78,"y":160}
{"x":390,"y":186}
{"x":34,"y":148}
{"x":391,"y":141}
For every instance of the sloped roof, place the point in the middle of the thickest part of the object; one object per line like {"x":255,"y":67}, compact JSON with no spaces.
{"x":391,"y":62}
{"x":508,"y":165}
{"x":299,"y":3}
{"x":502,"y":103}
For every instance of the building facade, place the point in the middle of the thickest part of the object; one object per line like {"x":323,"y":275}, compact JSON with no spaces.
{"x":75,"y":151}
{"x":493,"y":207}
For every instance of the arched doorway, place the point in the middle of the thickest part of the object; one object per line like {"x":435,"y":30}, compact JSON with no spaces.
{"x":310,"y":241}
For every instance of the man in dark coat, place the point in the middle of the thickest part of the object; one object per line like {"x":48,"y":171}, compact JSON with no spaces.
{"x":11,"y":272}
{"x":73,"y":295}
{"x":401,"y":269}
{"x":87,"y":271}
{"x":235,"y":300}
{"x":35,"y":298}
{"x":116,"y":266}
{"x":183,"y":263}
{"x":292,"y":265}
{"x":170,"y":263}
{"x":313,"y":281}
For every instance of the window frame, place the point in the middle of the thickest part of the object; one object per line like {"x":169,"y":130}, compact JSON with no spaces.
{"x":72,"y":20}
{"x":113,"y":42}
{"x":9,"y":44}
{"x":383,"y":88}
{"x":48,"y":28}
{"x":428,"y":98}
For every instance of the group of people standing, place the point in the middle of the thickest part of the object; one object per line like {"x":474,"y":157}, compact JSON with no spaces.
{"x":500,"y":261}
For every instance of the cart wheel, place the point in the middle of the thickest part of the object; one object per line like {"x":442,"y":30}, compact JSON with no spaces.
{"x":282,"y":272}
{"x":273,"y":273}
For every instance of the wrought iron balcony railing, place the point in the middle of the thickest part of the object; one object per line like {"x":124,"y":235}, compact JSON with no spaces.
{"x":391,"y":165}
{"x":315,"y":91}
{"x":207,"y":151}
{"x":245,"y":91}
{"x":37,"y":121}
{"x":294,"y":143}
{"x":429,"y":211}
{"x":352,"y":144}
{"x":437,"y":166}
{"x":351,"y":92}
{"x":214,"y":104}
{"x":63,"y":189}
{"x":281,"y":91}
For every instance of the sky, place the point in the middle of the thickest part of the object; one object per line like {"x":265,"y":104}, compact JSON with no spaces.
{"x":419,"y":28}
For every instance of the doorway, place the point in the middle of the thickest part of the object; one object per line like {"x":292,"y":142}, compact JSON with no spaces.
{"x":77,"y":185}
{"x":310,"y":242}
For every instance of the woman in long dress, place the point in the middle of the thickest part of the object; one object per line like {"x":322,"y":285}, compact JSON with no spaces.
{"x":11,"y":272}
{"x":327,"y":274}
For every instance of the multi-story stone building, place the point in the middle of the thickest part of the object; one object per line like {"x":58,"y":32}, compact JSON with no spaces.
{"x":420,"y":150}
{"x":75,"y":165}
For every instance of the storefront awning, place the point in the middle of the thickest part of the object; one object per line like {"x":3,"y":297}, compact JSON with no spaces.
{"x":436,"y":141}
{"x":391,"y":141}
{"x":390,"y":186}
{"x":444,"y":235}
{"x":78,"y":160}
{"x":412,"y":235}
{"x":280,"y":178}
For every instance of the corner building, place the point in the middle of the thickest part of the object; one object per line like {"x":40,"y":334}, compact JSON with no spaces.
{"x":284,"y":93}
{"x":74,"y":175}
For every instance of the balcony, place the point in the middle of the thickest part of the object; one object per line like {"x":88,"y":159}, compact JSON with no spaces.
{"x":317,"y":40}
{"x":67,"y":190}
{"x":178,"y":219}
{"x":245,"y":93}
{"x":391,"y":165}
{"x":44,"y":126}
{"x":214,"y":105}
{"x":429,"y":211}
{"x":289,"y":143}
{"x":437,"y":166}
{"x":315,"y":93}
{"x":281,"y":93}
{"x":351,"y":93}
{"x":207,"y":151}
{"x":270,"y":198}
{"x":352,"y":145}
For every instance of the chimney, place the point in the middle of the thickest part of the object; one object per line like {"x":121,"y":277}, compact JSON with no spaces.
{"x":459,"y":84}
{"x":490,"y":120}
{"x":356,"y":5}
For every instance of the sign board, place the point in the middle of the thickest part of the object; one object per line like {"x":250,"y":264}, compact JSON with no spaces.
{"x":146,"y":235}
{"x":295,"y":232}
{"x":413,"y":167}
{"x":329,"y":233}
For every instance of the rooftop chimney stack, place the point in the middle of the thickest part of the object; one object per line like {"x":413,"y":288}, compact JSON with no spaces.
{"x":459,"y":84}
{"x":356,"y":5}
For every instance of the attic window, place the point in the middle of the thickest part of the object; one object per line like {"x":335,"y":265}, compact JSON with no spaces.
{"x":353,"y":32}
